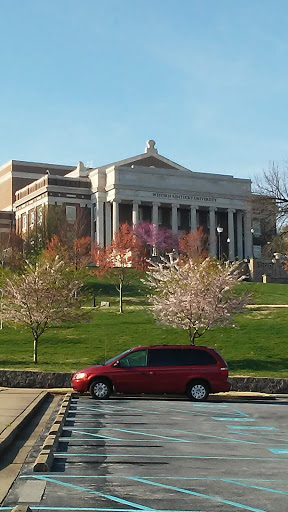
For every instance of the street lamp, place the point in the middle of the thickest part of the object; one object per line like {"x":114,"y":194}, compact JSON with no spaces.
{"x":219,"y":231}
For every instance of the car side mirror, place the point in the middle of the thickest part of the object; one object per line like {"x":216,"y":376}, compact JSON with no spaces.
{"x":117,"y":363}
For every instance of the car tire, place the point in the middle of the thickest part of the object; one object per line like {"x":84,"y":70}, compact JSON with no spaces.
{"x":100,"y":389}
{"x":197,"y":391}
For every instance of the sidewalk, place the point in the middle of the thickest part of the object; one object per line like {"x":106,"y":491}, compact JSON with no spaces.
{"x":16,"y":407}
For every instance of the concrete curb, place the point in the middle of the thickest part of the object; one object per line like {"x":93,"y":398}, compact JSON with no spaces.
{"x":45,"y":458}
{"x":12,"y":430}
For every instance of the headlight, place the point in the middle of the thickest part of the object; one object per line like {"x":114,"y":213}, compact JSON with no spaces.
{"x":80,"y":375}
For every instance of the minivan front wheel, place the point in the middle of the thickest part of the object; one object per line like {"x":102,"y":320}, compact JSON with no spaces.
{"x":100,"y":389}
{"x":197,"y":391}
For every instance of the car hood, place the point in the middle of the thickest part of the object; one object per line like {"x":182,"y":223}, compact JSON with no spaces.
{"x":90,"y":369}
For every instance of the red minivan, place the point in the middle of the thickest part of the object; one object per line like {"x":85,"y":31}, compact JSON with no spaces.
{"x":178,"y":369}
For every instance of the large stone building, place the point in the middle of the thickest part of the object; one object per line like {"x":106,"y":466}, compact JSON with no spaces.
{"x":146,"y":187}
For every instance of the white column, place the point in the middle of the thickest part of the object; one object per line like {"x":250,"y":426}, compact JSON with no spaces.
{"x":115,"y":214}
{"x":247,"y":234}
{"x":108,"y":223}
{"x":175,"y":218}
{"x":155,"y":218}
{"x":193,"y":218}
{"x":231,"y":244}
{"x":92,"y":224}
{"x":100,"y":223}
{"x":239,"y":235}
{"x":212,"y":233}
{"x":135,"y":213}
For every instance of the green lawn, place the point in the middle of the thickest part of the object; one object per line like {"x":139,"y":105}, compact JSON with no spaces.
{"x":269,"y":293}
{"x":257,"y":345}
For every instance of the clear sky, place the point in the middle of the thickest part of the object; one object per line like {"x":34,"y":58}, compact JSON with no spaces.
{"x":92,"y":80}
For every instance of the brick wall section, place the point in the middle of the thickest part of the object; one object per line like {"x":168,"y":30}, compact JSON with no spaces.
{"x":6,"y":188}
{"x":27,"y":169}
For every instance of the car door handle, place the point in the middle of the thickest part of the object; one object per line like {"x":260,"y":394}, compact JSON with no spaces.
{"x":149,"y":372}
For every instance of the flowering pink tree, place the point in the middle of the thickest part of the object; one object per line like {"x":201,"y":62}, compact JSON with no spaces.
{"x":193,"y":245}
{"x":158,"y":238}
{"x":45,"y":295}
{"x":115,"y":260}
{"x":194,"y":295}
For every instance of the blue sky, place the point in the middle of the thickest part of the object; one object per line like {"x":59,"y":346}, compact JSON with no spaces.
{"x":92,"y":80}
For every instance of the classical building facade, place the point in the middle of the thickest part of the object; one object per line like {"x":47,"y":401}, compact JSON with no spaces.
{"x":145,"y":187}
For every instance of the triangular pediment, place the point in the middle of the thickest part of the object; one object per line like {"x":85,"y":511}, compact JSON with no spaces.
{"x":151,"y":161}
{"x":150,"y":158}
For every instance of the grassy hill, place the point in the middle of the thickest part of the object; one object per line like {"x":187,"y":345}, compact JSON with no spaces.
{"x":255,"y":345}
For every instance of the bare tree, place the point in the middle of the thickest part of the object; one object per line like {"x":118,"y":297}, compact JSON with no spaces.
{"x":43,"y":296}
{"x":194,"y":295}
{"x":271,"y":189}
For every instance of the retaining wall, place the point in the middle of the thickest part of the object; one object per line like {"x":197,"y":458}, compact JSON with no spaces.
{"x":48,"y":380}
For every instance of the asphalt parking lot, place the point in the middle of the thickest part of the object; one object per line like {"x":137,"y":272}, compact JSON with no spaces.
{"x":159,"y":454}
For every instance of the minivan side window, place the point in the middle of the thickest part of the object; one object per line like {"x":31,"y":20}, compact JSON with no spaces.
{"x":179,"y":357}
{"x":138,"y":358}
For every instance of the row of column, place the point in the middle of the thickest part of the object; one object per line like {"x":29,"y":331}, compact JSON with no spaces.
{"x":109,"y":229}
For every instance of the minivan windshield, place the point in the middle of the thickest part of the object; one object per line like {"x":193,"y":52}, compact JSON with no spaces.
{"x":117,"y":357}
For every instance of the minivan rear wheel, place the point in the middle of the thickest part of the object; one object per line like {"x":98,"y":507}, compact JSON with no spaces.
{"x":197,"y":391}
{"x":100,"y":389}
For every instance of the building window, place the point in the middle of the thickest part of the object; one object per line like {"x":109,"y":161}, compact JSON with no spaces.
{"x":32,"y":218}
{"x":71,"y":214}
{"x":257,"y":251}
{"x":256,"y":225}
{"x":24,"y":223}
{"x":40,"y":216}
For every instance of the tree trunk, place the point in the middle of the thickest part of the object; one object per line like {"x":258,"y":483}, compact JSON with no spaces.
{"x":120,"y":297}
{"x":35,"y":360}
{"x":191,"y":337}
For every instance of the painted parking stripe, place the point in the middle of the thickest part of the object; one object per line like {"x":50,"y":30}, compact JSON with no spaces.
{"x":219,"y":418}
{"x":261,"y":488}
{"x":195,"y":441}
{"x":98,"y":493}
{"x":168,"y":437}
{"x":242,"y":427}
{"x":158,"y":436}
{"x":199,"y":494}
{"x":206,"y":413}
{"x":108,"y":407}
{"x":162,"y":477}
{"x":161,"y":409}
{"x":217,"y":437}
{"x":79,"y":420}
{"x":102,"y":509}
{"x":241,"y":413}
{"x":65,"y":454}
{"x":171,"y":439}
{"x":279,"y":451}
{"x":257,"y":434}
{"x":99,"y":436}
